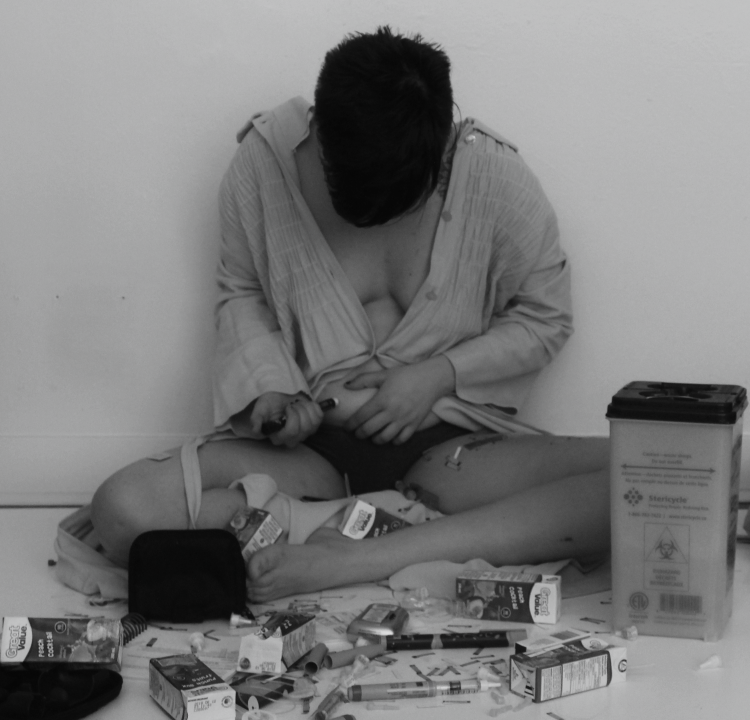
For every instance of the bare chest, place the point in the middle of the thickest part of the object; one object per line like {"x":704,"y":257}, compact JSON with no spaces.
{"x":388,"y":262}
{"x":385,"y":265}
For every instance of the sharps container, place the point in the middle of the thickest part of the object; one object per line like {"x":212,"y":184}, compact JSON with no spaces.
{"x":675,"y":475}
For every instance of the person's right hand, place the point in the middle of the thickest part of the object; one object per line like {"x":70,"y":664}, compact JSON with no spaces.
{"x":303,"y":418}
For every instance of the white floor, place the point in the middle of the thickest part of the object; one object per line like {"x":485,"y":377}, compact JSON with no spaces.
{"x":664,"y":678}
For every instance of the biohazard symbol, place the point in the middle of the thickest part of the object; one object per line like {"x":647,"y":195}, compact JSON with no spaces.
{"x":666,"y":549}
{"x":633,"y":496}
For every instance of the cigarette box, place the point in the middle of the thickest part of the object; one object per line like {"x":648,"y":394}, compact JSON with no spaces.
{"x":509,"y":596}
{"x":539,"y":645}
{"x":585,"y":664}
{"x":254,"y":529}
{"x":79,"y":642}
{"x":297,"y":633}
{"x":187,"y":689}
{"x":362,"y":520}
{"x":675,"y":477}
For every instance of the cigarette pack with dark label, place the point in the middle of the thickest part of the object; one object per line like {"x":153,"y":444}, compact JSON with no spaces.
{"x":585,"y":664}
{"x":82,"y":642}
{"x":362,"y":520}
{"x":296,"y":631}
{"x":256,"y":690}
{"x":187,"y":689}
{"x":254,"y":529}
{"x":510,"y":596}
{"x":283,"y":640}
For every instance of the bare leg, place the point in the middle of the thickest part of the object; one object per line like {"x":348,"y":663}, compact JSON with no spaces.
{"x":150,"y":495}
{"x":473,"y":470}
{"x":541,"y":499}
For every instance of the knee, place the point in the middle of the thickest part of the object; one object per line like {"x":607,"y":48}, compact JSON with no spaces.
{"x":122,"y":508}
{"x":114,"y":515}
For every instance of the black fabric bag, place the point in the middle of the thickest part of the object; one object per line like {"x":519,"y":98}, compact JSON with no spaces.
{"x":55,"y":693}
{"x":186,"y":575}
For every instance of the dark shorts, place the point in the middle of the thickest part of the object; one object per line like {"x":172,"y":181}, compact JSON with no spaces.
{"x":372,"y":467}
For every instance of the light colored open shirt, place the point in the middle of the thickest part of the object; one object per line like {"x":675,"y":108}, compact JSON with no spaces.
{"x":496,"y":301}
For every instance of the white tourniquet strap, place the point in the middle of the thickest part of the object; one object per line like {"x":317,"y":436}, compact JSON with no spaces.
{"x":191,"y":473}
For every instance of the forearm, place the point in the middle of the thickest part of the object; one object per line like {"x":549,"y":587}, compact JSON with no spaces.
{"x":488,"y":365}
{"x":443,"y":375}
{"x":520,"y":339}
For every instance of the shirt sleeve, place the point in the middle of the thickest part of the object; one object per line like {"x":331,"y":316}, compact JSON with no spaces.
{"x":252,"y":355}
{"x":531,"y":316}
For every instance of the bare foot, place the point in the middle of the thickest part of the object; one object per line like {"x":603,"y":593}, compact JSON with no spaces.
{"x":325,"y":561}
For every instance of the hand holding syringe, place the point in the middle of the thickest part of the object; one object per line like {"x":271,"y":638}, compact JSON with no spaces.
{"x":273,"y":426}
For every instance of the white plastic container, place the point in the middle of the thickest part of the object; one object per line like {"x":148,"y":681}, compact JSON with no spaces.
{"x":675,"y":473}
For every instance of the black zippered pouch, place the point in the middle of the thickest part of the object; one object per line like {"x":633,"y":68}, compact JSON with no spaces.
{"x":186,"y":575}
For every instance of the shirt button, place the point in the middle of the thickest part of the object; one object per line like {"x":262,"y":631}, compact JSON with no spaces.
{"x":447,"y":216}
{"x":470,"y":139}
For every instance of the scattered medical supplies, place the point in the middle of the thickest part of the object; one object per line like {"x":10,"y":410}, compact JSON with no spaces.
{"x":339,"y":692}
{"x":240,"y":621}
{"x":713,"y":662}
{"x":486,"y":639}
{"x":197,"y":642}
{"x":516,"y":597}
{"x":256,"y":690}
{"x":254,"y":529}
{"x":187,"y":689}
{"x":330,"y":702}
{"x":347,"y":657}
{"x":550,"y":668}
{"x":315,"y":659}
{"x":628,"y":633}
{"x":377,"y":621}
{"x":79,"y":642}
{"x":429,"y":688}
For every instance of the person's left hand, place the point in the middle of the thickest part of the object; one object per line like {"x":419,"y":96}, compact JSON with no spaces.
{"x":405,"y":396}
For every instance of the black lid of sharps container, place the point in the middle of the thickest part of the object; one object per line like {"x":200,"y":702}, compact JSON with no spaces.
{"x":678,"y":402}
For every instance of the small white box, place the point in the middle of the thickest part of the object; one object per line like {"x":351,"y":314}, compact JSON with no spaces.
{"x":586,"y":664}
{"x":187,"y":689}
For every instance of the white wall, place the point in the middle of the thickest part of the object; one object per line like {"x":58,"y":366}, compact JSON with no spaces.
{"x":117,"y":120}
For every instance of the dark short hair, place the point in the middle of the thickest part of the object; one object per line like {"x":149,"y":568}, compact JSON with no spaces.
{"x":384,"y":115}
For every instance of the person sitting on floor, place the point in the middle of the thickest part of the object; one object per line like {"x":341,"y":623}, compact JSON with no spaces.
{"x":376,"y":251}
